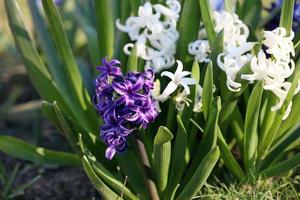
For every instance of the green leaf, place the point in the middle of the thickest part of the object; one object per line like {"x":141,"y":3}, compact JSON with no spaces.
{"x":66,"y":129}
{"x":252,"y":13}
{"x":251,"y":127}
{"x":8,"y":186}
{"x":177,"y":159}
{"x":266,"y":115}
{"x":20,"y":189}
{"x":66,"y":123}
{"x":49,"y":112}
{"x":38,"y":73}
{"x":201,"y":174}
{"x":188,"y":109}
{"x":105,"y":27}
{"x":81,"y":102}
{"x":135,"y":4}
{"x":132,"y":63}
{"x":162,"y":156}
{"x":54,"y":65}
{"x":273,"y":132}
{"x":286,"y":17}
{"x":132,"y":168}
{"x":54,"y":114}
{"x":105,"y":174}
{"x":229,"y":160}
{"x":208,"y":141}
{"x":102,"y":188}
{"x":26,"y":151}
{"x":188,"y":27}
{"x":282,"y":167}
{"x":207,"y":18}
{"x":217,"y":48}
{"x":237,"y":125}
{"x":230,"y":100}
{"x":294,"y":117}
{"x":280,"y":147}
{"x":207,"y":95}
{"x":91,"y":35}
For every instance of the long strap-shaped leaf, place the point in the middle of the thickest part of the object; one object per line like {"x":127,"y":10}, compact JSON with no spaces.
{"x":80,"y":102}
{"x":208,"y":141}
{"x":54,"y":65}
{"x":26,"y":151}
{"x":105,"y":27}
{"x":105,"y":174}
{"x":286,"y":17}
{"x":282,"y":167}
{"x":207,"y":18}
{"x":251,"y":127}
{"x":272,"y":133}
{"x":70,"y":129}
{"x":131,"y":167}
{"x":280,"y":148}
{"x":35,"y":67}
{"x":207,"y":95}
{"x":162,"y":156}
{"x":188,"y":110}
{"x":102,"y":188}
{"x":177,"y":159}
{"x":229,"y":160}
{"x":200,"y":176}
{"x":188,"y":27}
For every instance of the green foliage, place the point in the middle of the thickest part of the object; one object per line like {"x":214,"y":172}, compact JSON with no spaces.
{"x":238,"y":128}
{"x":7,"y":180}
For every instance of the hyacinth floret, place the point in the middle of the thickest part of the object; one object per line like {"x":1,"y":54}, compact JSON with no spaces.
{"x":124,"y":102}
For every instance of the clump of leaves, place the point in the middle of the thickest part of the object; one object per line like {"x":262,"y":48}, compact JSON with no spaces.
{"x":272,"y":188}
{"x":9,"y":191}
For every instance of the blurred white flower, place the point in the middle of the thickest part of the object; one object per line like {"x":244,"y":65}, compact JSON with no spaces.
{"x":231,"y":65}
{"x":177,"y":79}
{"x":155,"y":94}
{"x":275,"y":70}
{"x":201,"y":50}
{"x":154,"y":32}
{"x":182,"y":100}
{"x":235,"y":54}
{"x":279,"y":44}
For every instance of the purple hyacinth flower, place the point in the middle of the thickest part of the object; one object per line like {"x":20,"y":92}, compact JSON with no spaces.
{"x":109,"y":68}
{"x":274,"y":23}
{"x":217,"y":5}
{"x":124,"y":102}
{"x":129,"y":92}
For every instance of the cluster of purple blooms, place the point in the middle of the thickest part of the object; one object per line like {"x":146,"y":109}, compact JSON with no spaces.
{"x":277,"y":4}
{"x":124,"y":102}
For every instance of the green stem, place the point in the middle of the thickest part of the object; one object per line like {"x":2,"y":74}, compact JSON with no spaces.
{"x":147,"y":170}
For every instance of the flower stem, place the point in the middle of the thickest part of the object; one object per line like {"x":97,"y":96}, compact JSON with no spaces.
{"x":147,"y":170}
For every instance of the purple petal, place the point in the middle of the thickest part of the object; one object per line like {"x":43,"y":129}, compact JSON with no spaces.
{"x":110,"y":152}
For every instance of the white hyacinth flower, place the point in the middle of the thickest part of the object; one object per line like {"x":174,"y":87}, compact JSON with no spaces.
{"x":275,"y":70}
{"x":155,"y":94}
{"x":279,"y":44}
{"x":177,"y":79}
{"x":231,"y":65}
{"x":182,"y":100}
{"x":154,"y":33}
{"x":236,"y":47}
{"x":201,"y":50}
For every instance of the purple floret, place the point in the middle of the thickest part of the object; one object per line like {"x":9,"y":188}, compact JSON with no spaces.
{"x":124,"y":102}
{"x":274,"y":23}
